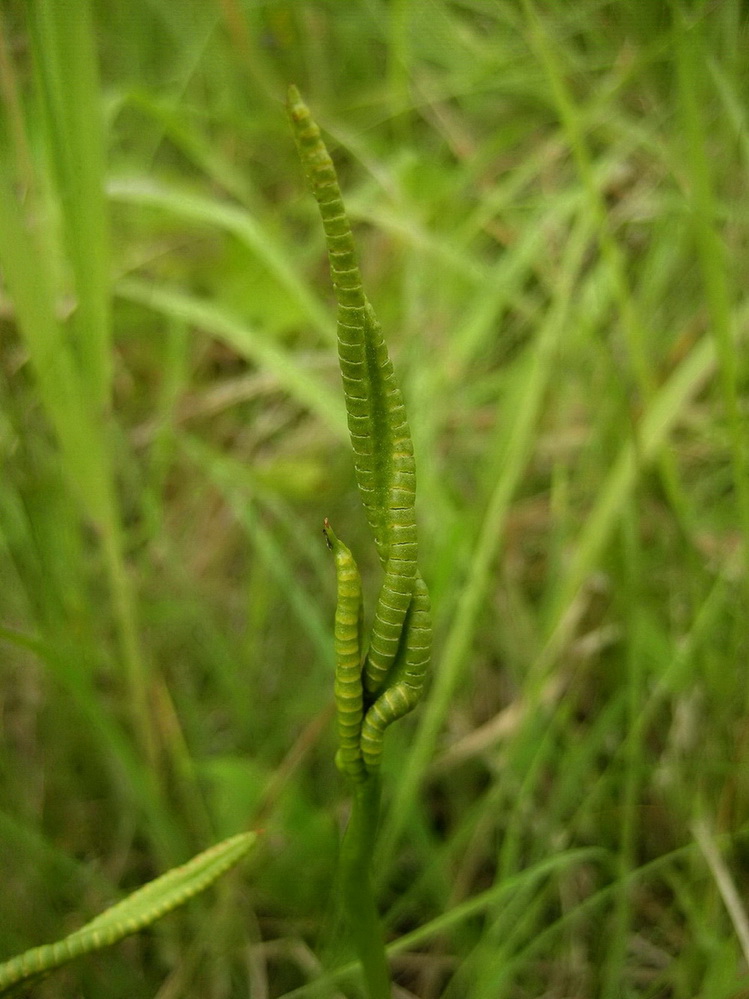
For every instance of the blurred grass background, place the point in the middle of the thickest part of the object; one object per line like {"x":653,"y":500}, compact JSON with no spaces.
{"x":551,"y":205}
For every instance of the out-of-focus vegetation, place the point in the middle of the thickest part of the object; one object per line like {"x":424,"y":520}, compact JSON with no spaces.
{"x":551,"y":201}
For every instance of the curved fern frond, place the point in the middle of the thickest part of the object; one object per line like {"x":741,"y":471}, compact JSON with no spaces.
{"x":348,"y":637}
{"x":406,"y":681}
{"x":380,"y":437}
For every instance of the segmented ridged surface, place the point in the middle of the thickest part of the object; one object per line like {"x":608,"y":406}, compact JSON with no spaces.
{"x":406,"y":682}
{"x":135,"y":912}
{"x":381,"y":440}
{"x":348,"y":682}
{"x":38,"y":962}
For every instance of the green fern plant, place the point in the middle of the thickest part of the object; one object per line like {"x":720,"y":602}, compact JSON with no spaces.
{"x":380,"y":681}
{"x":139,"y":910}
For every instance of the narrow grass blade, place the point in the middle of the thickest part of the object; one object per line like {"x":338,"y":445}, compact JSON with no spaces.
{"x":302,"y":386}
{"x":714,"y":262}
{"x":60,"y":386}
{"x":466,"y":910}
{"x":65,"y":58}
{"x":234,"y":219}
{"x":732,"y":900}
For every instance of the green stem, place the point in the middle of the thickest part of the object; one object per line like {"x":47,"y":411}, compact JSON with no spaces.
{"x":358,"y":896}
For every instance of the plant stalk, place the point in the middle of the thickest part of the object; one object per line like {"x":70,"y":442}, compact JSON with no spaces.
{"x":358,"y":897}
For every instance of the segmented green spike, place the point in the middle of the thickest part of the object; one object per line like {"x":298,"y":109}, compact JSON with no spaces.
{"x":406,"y":681}
{"x":348,"y":682}
{"x":133,"y":913}
{"x":381,"y":440}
